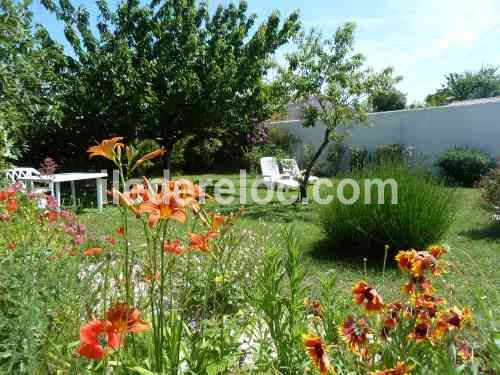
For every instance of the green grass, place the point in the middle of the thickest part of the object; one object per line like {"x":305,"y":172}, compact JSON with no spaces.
{"x":473,"y":239}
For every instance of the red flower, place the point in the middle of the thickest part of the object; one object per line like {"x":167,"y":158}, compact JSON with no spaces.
{"x":173,"y":247}
{"x":316,"y":348}
{"x":401,"y":369}
{"x":11,"y":246}
{"x":124,"y":319}
{"x":367,"y":295}
{"x":96,"y":338}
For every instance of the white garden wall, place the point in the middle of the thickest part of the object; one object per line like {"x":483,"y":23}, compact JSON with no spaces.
{"x":429,"y":131}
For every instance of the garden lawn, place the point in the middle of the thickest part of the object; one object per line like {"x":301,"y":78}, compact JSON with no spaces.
{"x":473,"y":239}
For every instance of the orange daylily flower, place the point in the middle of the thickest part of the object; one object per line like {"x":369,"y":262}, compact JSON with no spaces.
{"x":12,"y":205}
{"x":367,"y":295}
{"x":217,"y":221}
{"x":97,"y":338}
{"x":107,"y":148}
{"x":6,"y":194}
{"x":400,"y":369}
{"x":168,"y":209}
{"x":93,"y":251}
{"x":173,"y":247}
{"x":152,"y":155}
{"x":11,"y":246}
{"x":355,"y":335}
{"x":150,"y":277}
{"x":120,"y":231}
{"x":318,"y":353}
{"x":201,"y":241}
{"x":125,"y":320}
{"x":110,"y":239}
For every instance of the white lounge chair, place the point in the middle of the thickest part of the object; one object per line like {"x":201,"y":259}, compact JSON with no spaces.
{"x":273,"y":178}
{"x":291,"y":167}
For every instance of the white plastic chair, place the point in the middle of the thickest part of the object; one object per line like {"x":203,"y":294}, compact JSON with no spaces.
{"x":273,"y":178}
{"x":14,"y":174}
{"x":291,"y":167}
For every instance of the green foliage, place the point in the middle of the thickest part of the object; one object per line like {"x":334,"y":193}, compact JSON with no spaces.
{"x":164,"y":70}
{"x":328,"y":80}
{"x":277,"y":297}
{"x":389,"y":153}
{"x":424,"y":211}
{"x":388,"y":100}
{"x":490,"y":190}
{"x":29,"y":66}
{"x":464,"y":166}
{"x":484,"y":83}
{"x":359,"y":157}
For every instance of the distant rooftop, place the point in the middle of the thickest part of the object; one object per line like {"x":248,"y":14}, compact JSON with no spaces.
{"x":495,"y":99}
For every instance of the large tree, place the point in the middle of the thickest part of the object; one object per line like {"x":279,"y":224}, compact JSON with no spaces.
{"x":387,"y":100}
{"x":29,"y":67}
{"x":484,"y":83}
{"x":329,"y":81}
{"x":167,"y":69}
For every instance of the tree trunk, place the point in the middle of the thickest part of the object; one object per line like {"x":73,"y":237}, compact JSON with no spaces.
{"x":319,"y":151}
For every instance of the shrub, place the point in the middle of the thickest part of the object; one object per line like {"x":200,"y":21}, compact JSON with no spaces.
{"x":464,"y":166}
{"x":490,"y":190}
{"x":359,"y":156}
{"x":389,"y":153}
{"x":424,"y":211}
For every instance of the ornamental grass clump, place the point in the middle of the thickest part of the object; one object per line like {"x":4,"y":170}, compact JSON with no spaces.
{"x":414,"y":214}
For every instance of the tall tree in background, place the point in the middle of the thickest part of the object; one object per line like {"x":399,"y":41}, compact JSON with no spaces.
{"x":484,"y":83}
{"x":29,"y":68}
{"x":167,"y":69}
{"x":387,"y":100}
{"x":328,"y":80}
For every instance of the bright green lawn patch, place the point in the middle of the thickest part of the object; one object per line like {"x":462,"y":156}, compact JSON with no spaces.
{"x":473,"y":239}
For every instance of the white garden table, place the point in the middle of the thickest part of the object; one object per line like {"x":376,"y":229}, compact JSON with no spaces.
{"x":55,"y":181}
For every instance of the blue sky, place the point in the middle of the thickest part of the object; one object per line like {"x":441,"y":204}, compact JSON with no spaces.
{"x":422,"y":39}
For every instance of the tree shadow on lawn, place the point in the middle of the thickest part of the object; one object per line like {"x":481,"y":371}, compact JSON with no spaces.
{"x":489,"y":232}
{"x":351,"y":255}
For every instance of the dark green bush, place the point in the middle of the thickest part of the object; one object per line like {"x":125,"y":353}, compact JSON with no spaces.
{"x":464,"y":166}
{"x":389,"y":153}
{"x":424,"y":211}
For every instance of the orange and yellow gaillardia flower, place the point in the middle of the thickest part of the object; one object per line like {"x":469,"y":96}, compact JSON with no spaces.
{"x":355,"y":334}
{"x":422,"y":331}
{"x":366,"y":295}
{"x":316,"y":348}
{"x":107,"y":148}
{"x":400,"y":369}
